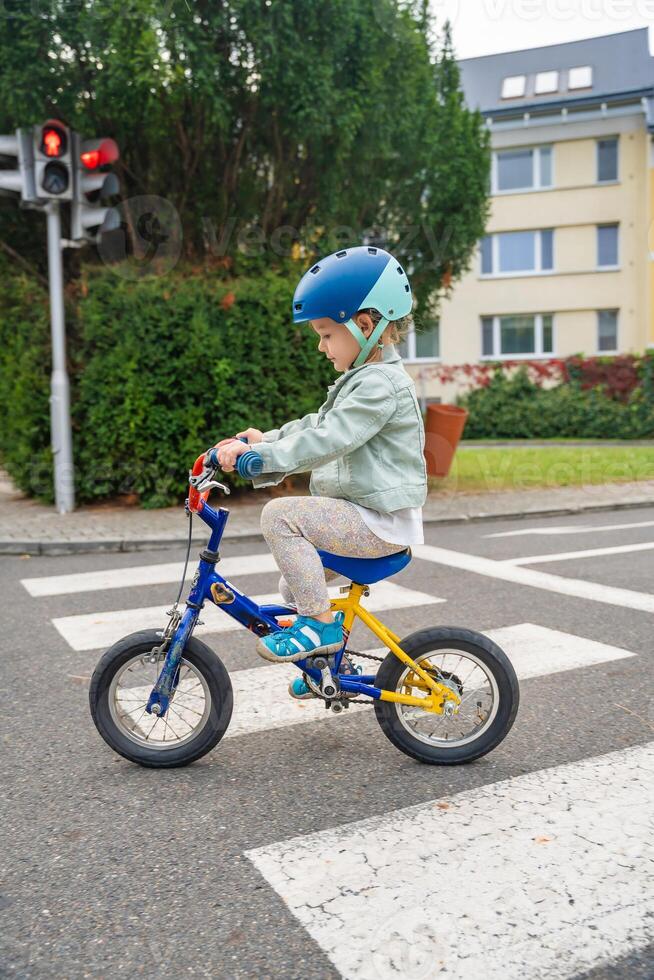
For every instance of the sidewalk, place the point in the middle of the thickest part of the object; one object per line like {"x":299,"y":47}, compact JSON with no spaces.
{"x":30,"y":528}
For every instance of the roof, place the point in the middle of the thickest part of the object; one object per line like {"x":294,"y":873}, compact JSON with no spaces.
{"x":621,"y":64}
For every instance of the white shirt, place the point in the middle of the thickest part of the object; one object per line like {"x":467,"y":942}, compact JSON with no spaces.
{"x":403,"y":527}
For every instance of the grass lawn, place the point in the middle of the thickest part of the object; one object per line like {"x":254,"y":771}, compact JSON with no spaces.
{"x":476,"y":470}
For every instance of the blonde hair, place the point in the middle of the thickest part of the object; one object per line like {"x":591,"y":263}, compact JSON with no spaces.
{"x":394,"y":333}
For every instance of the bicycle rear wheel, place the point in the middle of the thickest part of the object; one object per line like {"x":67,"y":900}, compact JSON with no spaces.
{"x":476,"y":669}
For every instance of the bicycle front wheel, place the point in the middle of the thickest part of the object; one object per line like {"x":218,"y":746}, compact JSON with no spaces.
{"x":198,"y":714}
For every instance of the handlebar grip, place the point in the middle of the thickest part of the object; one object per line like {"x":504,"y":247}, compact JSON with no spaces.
{"x":249,"y":465}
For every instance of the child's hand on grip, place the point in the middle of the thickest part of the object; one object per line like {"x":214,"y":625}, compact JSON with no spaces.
{"x":252,"y":435}
{"x":227,"y":458}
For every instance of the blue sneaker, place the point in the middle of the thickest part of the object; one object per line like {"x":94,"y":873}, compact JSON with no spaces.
{"x":307,"y":637}
{"x":300,"y":690}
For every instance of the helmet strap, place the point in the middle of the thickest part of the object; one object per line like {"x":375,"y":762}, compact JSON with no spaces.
{"x":366,"y":344}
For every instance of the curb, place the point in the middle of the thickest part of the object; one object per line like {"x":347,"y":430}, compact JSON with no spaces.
{"x":72,"y":547}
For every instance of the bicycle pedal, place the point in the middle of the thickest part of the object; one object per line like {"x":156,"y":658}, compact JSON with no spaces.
{"x":329,"y":686}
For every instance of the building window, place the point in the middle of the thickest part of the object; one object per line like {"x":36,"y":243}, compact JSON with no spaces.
{"x":422,"y":344}
{"x":513,"y":87}
{"x":607,"y":160}
{"x":546,"y":81}
{"x":607,"y":331}
{"x":523,"y":169}
{"x":516,"y":252}
{"x":528,"y":335}
{"x":580,"y":77}
{"x":607,"y":246}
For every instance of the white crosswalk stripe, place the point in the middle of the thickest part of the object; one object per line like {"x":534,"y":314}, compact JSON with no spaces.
{"x":91,"y":631}
{"x":262,"y":702}
{"x":578,"y":588}
{"x":546,"y":874}
{"x":137,"y":575}
{"x":569,"y":529}
{"x":618,"y":549}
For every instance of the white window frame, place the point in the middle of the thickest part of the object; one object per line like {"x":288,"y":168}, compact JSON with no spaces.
{"x":543,"y":77}
{"x":607,"y":353}
{"x":611,"y":180}
{"x":538,"y":256}
{"x":411,"y":357}
{"x":578,"y":85}
{"x":538,"y":330}
{"x":514,"y":78}
{"x":535,"y":170}
{"x":607,"y":268}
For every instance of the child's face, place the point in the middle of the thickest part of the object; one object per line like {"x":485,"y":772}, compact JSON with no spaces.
{"x":336,"y":341}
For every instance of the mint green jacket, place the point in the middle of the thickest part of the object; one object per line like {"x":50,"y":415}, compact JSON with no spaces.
{"x":365,"y":443}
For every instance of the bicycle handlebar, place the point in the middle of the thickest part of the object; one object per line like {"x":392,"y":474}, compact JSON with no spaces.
{"x":248,"y":465}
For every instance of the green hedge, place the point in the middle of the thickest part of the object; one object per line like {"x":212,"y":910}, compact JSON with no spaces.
{"x":160,"y":369}
{"x":516,"y":408}
{"x":25,"y":357}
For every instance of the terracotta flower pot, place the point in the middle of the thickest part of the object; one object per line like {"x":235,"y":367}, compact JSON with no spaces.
{"x":443,"y":430}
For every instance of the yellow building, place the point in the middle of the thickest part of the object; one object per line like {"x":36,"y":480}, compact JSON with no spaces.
{"x":567,"y":264}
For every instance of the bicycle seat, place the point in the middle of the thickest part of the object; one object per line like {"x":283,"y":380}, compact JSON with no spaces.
{"x":365,"y":571}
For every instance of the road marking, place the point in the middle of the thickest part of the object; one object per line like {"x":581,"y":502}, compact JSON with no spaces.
{"x":262,"y":702}
{"x":92,"y":631}
{"x":545,"y":874}
{"x":131,"y":577}
{"x":618,"y":549}
{"x":568,"y":529}
{"x":575,"y":587}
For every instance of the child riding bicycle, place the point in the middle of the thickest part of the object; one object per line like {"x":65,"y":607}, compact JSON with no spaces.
{"x":364,"y":447}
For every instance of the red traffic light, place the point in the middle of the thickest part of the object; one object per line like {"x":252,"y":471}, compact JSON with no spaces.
{"x":53,"y":140}
{"x":95,"y":153}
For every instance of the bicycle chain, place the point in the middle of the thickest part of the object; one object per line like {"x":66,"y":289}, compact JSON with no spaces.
{"x":368,"y":656}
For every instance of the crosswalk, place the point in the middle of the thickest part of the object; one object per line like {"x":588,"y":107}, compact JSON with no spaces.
{"x":543,"y":868}
{"x":435,"y":888}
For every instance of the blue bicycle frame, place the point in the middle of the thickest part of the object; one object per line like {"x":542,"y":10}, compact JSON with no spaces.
{"x":208,"y":585}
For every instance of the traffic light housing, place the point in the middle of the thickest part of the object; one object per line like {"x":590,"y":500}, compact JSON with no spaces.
{"x":93,"y":184}
{"x":20,"y":180}
{"x":53,"y":162}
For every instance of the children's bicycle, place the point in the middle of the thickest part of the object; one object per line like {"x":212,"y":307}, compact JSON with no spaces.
{"x":163,"y":698}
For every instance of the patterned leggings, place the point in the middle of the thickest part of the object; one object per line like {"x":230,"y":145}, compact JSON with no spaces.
{"x":295,"y":526}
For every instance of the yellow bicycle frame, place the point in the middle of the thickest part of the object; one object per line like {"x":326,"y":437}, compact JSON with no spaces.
{"x":352,"y":609}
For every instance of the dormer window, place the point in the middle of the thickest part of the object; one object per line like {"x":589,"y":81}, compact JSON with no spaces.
{"x":546,"y":81}
{"x":513,"y":86}
{"x":580,"y":77}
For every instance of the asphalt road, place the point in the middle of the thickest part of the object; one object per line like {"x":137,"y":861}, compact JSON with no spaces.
{"x":112,"y":870}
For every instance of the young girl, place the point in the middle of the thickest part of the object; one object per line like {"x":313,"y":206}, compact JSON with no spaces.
{"x":364,"y":447}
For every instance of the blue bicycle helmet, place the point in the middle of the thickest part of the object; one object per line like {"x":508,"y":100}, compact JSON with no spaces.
{"x":354,"y":279}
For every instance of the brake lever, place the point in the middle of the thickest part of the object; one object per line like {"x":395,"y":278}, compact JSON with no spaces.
{"x":205,"y":480}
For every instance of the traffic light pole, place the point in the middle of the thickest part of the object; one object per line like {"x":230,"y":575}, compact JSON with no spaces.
{"x":61,"y":431}
{"x":54,"y":164}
